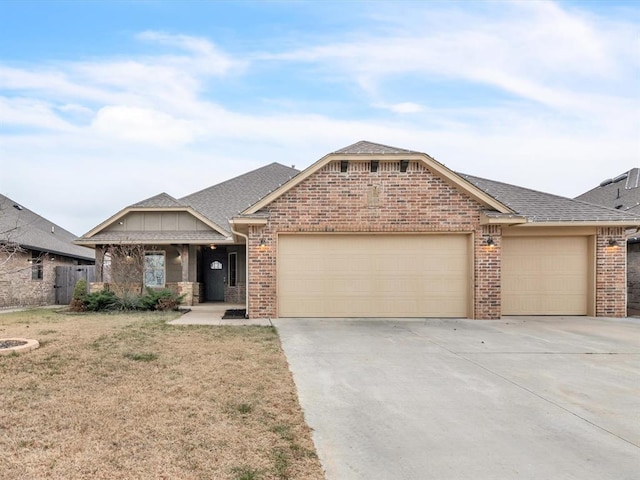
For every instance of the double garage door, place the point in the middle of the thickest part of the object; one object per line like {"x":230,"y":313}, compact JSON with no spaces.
{"x":350,"y":275}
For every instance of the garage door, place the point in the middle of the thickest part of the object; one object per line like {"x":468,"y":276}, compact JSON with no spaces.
{"x":545,"y":275}
{"x":335,"y":275}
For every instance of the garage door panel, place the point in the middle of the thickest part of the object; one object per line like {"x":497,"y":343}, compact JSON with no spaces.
{"x":545,"y":275}
{"x":373,"y":275}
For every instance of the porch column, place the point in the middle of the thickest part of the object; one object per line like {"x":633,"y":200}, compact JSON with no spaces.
{"x":99,"y":262}
{"x":185,"y":263}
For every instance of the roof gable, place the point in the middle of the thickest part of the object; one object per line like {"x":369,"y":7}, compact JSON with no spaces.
{"x":100,"y":231}
{"x":20,"y":225}
{"x":368,"y":151}
{"x":214,"y":206}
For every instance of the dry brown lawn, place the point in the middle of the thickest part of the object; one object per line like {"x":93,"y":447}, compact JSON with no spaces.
{"x":128,"y":396}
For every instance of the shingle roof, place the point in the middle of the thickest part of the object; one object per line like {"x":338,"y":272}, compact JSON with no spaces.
{"x":20,"y":225}
{"x":160,"y":200}
{"x":621,"y":192}
{"x":221,"y":202}
{"x":369,"y":148}
{"x":545,"y":207}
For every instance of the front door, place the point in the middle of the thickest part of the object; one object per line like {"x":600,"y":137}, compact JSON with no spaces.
{"x":215,"y":274}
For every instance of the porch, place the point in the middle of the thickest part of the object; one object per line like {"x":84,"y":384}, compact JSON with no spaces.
{"x":202,"y":273}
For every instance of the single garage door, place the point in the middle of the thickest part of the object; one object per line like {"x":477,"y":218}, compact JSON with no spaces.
{"x":349,"y":275}
{"x":545,"y":275}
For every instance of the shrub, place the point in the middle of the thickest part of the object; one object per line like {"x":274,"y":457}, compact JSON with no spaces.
{"x":80,"y":289}
{"x":102,"y":300}
{"x":164,"y":299}
{"x":128,"y":301}
{"x":79,"y":294}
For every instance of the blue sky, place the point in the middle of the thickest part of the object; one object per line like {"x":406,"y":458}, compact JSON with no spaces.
{"x":103,"y":104}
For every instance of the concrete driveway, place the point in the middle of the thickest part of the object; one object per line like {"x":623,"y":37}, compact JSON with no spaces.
{"x":521,"y":398}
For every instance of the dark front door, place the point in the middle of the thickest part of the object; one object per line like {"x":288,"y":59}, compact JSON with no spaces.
{"x":215,"y":274}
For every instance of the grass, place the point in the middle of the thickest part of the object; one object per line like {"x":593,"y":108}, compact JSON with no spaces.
{"x":129,"y":396}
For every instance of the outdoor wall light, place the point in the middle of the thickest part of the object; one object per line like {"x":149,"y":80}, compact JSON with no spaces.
{"x":613,"y":242}
{"x":212,"y":246}
{"x":490,"y":242}
{"x":263,"y":244}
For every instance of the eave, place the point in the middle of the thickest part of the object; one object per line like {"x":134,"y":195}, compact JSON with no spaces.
{"x":502,"y":219}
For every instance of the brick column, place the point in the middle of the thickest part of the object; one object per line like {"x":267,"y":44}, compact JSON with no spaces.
{"x":611,"y":272}
{"x":262,"y":273}
{"x":487,"y":267}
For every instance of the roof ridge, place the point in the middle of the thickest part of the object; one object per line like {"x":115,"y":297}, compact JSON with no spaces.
{"x":366,"y":143}
{"x":161,"y":195}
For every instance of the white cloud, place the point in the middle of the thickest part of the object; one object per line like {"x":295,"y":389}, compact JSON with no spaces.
{"x":142,"y":125}
{"x":403,"y":107}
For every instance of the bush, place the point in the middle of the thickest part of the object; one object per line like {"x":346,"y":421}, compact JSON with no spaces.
{"x":163,"y":299}
{"x":79,"y":294}
{"x":80,"y":289}
{"x":102,"y":300}
{"x":128,"y":301}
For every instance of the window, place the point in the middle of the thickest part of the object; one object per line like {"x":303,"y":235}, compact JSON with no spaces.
{"x":233,"y":269}
{"x":154,"y":269}
{"x":37,"y":270}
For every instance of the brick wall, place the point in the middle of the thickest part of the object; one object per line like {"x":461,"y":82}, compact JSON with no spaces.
{"x":412,"y":201}
{"x":361,"y":201}
{"x":633,"y":276}
{"x":611,"y":279}
{"x":487,"y":272}
{"x":236,"y":294}
{"x":16,"y":285}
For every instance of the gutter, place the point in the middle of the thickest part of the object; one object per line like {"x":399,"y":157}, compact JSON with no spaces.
{"x":246,"y":267}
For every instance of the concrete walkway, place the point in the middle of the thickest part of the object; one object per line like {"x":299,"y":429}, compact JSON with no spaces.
{"x":520,"y":398}
{"x":212,"y":313}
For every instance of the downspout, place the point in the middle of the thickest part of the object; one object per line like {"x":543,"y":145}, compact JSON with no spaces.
{"x":246,"y":267}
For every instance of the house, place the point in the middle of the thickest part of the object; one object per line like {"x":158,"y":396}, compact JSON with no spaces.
{"x":623,"y":193}
{"x":377,"y":231}
{"x":31,"y":247}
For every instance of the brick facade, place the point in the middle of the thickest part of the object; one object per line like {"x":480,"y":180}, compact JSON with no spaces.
{"x":611,"y":268}
{"x":18,"y":289}
{"x":416,"y":201}
{"x":359,"y":200}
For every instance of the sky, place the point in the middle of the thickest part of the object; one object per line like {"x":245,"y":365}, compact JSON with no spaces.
{"x":106,"y":103}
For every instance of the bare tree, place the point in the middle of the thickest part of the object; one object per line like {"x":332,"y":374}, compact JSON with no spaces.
{"x":10,"y":248}
{"x":125,"y":270}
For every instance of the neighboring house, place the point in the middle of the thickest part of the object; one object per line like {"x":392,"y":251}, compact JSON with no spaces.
{"x":378,"y":231}
{"x":31,"y":247}
{"x":623,"y":194}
